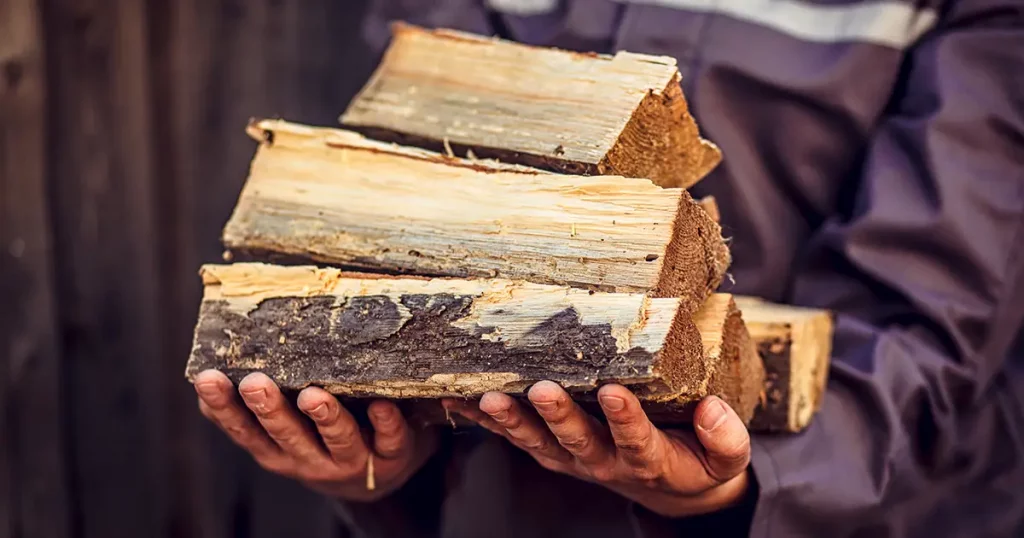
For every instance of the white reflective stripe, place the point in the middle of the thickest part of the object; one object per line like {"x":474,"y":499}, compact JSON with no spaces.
{"x":523,"y":7}
{"x":889,"y":23}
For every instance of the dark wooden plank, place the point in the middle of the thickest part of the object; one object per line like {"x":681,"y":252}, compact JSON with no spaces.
{"x":218,"y":63}
{"x":181,"y":38}
{"x":33,"y":482}
{"x":107,"y":275}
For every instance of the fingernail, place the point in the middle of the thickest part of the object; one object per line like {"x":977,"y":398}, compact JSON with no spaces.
{"x":208,"y":390}
{"x":546,"y":406}
{"x":613,"y":403}
{"x":714,"y":416}
{"x":319,"y":412}
{"x":255,"y":396}
{"x":500,"y":416}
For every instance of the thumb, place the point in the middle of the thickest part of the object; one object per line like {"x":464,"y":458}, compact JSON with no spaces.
{"x":724,"y":438}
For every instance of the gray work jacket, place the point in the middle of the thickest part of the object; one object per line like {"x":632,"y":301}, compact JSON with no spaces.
{"x":874,"y":165}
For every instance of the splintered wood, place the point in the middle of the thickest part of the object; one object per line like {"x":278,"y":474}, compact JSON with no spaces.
{"x":562,"y":247}
{"x":563,"y":111}
{"x":417,"y":337}
{"x":332,"y":196}
{"x":795,"y":345}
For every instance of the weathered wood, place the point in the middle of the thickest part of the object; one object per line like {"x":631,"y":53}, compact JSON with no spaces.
{"x":34,"y":480}
{"x":795,"y":344}
{"x":330,"y":195}
{"x":730,"y":366}
{"x":564,"y":111}
{"x":368,"y":335}
{"x":106,"y":274}
{"x":407,"y":337}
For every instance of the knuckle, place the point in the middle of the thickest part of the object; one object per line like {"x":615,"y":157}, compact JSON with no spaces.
{"x":601,"y":473}
{"x":637,"y":443}
{"x":340,"y":443}
{"x":513,"y":422}
{"x":738,"y":452}
{"x":237,"y":431}
{"x":535,"y":445}
{"x":576,"y":443}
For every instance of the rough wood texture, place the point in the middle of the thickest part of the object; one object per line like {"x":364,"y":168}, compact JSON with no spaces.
{"x":330,"y":195}
{"x":730,"y":366}
{"x":795,"y":344}
{"x":564,"y":111}
{"x":710,"y":206}
{"x":368,"y":335}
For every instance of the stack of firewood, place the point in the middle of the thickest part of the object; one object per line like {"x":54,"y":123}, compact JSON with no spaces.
{"x":496,"y":215}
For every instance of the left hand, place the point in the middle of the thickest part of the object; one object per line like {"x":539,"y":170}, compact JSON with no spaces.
{"x":674,"y":473}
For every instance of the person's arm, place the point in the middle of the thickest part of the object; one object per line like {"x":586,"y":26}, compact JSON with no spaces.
{"x":927,"y":275}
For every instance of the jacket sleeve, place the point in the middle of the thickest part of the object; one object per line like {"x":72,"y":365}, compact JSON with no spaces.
{"x":921,"y":423}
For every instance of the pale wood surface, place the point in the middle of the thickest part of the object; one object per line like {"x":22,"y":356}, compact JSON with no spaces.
{"x":566,"y":111}
{"x":796,"y":345}
{"x":333,"y":196}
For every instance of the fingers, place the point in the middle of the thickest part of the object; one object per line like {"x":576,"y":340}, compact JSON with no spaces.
{"x":337,"y":427}
{"x":523,"y":428}
{"x":280,"y":420}
{"x":574,"y":429}
{"x":218,"y":403}
{"x":392,"y":438}
{"x":470,"y":410}
{"x":637,"y":441}
{"x":725,"y":439}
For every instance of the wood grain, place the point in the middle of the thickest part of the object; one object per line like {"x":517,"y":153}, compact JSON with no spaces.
{"x":565,"y":111}
{"x":333,"y":196}
{"x":104,"y":229}
{"x":413,"y":338}
{"x":34,"y":500}
{"x":366,"y":335}
{"x":795,"y":345}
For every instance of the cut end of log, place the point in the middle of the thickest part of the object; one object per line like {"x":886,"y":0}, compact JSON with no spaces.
{"x":696,"y":258}
{"x":662,"y":126}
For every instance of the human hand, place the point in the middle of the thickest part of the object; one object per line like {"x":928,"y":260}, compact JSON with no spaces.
{"x":334,"y":459}
{"x":674,"y":473}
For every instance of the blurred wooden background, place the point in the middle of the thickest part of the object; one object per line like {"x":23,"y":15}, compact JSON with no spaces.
{"x":121,"y":155}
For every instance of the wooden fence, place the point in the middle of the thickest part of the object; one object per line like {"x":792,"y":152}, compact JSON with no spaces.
{"x":121,"y":155}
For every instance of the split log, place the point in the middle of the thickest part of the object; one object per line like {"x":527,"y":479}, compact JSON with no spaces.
{"x":795,"y":345}
{"x":576,"y":113}
{"x":710,"y":206}
{"x":332,"y":196}
{"x":360,"y":335}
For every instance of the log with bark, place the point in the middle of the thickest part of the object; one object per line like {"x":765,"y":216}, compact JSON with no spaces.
{"x":795,"y":345}
{"x":329,"y":195}
{"x":361,"y":335}
{"x":564,"y":111}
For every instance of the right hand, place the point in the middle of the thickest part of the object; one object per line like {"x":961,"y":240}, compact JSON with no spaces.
{"x":333,"y":459}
